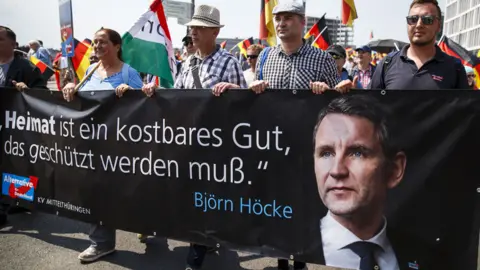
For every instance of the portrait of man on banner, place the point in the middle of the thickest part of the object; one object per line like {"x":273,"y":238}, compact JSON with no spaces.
{"x":356,"y":163}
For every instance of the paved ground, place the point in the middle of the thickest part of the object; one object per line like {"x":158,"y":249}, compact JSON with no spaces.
{"x":40,"y":241}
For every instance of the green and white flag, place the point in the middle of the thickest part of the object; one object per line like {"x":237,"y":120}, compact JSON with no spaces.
{"x":147,"y":46}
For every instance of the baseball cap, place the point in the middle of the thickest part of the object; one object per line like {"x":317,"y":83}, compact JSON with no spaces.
{"x":290,"y":7}
{"x":337,"y":50}
{"x":187,"y":39}
{"x":364,"y":48}
{"x":469,"y":69}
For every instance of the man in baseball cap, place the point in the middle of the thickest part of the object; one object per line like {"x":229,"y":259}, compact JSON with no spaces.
{"x":362,"y":74}
{"x":188,"y":46}
{"x":339,"y":54}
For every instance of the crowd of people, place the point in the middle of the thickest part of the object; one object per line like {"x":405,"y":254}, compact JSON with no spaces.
{"x":293,"y":64}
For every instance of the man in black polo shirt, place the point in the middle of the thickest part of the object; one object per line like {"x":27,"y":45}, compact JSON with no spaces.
{"x":422,"y":64}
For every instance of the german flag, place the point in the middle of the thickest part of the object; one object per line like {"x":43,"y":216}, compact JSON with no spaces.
{"x":46,"y":71}
{"x":349,"y":12}
{"x":57,"y":70}
{"x":81,"y":60}
{"x":320,"y":33}
{"x":243,"y":45}
{"x":454,"y":49}
{"x":223,"y":44}
{"x":349,"y":51}
{"x":267,"y":28}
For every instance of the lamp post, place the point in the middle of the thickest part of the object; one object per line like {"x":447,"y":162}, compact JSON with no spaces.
{"x":193,"y":7}
{"x":192,"y":10}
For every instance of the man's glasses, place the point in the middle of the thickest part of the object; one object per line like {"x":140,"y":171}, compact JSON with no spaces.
{"x":185,"y":44}
{"x":250,"y":56}
{"x":471,"y":75}
{"x":426,"y":19}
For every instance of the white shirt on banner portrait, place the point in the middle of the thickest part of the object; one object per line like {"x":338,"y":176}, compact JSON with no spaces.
{"x":335,"y":238}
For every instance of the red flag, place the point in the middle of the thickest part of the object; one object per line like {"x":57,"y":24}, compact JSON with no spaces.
{"x":349,"y":12}
{"x":267,"y":28}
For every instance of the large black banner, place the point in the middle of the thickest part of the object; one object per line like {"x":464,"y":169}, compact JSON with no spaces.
{"x":286,"y":173}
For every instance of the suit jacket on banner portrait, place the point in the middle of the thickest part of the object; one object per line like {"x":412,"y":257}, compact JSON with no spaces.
{"x":409,"y":250}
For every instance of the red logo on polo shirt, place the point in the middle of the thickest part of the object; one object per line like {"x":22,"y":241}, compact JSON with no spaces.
{"x":437,"y":78}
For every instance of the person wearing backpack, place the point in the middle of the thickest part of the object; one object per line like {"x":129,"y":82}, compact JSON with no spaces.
{"x":422,"y":64}
{"x":295,"y":64}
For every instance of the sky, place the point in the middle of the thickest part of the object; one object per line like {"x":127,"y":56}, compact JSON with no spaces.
{"x":39,"y":19}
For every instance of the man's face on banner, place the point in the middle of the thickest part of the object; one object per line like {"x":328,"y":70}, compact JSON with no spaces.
{"x":350,"y":166}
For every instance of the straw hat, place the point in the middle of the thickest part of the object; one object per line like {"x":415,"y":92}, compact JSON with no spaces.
{"x":206,"y":16}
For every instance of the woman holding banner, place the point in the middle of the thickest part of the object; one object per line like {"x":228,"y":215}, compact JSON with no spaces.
{"x":108,"y":74}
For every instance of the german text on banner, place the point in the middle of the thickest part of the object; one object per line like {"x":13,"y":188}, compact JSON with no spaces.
{"x":283,"y":174}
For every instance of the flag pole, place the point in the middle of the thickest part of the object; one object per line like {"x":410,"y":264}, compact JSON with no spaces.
{"x":319,"y":35}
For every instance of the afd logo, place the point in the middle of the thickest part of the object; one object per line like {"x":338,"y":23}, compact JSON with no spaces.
{"x":19,"y":186}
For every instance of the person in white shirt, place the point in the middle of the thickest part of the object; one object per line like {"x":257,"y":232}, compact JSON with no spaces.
{"x":252,"y":56}
{"x":356,"y":163}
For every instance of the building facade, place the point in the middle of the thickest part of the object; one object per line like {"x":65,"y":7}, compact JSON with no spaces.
{"x":462,"y":23}
{"x":339,"y":34}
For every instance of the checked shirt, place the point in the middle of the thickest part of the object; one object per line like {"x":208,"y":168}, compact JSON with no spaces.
{"x":297,"y":70}
{"x":218,"y":67}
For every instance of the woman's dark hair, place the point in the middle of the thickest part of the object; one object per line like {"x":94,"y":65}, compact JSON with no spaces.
{"x":115,"y":38}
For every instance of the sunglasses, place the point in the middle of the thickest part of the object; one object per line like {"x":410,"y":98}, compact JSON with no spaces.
{"x":336,"y":57}
{"x":471,"y":75}
{"x":252,"y":56}
{"x":185,"y":44}
{"x":426,"y":19}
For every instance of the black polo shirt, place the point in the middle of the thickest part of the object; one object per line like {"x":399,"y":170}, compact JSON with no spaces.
{"x":441,"y":72}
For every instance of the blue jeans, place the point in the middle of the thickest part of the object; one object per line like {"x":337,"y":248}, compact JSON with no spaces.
{"x":102,"y":237}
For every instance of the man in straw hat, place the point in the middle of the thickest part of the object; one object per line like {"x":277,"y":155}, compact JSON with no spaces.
{"x":210,"y":67}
